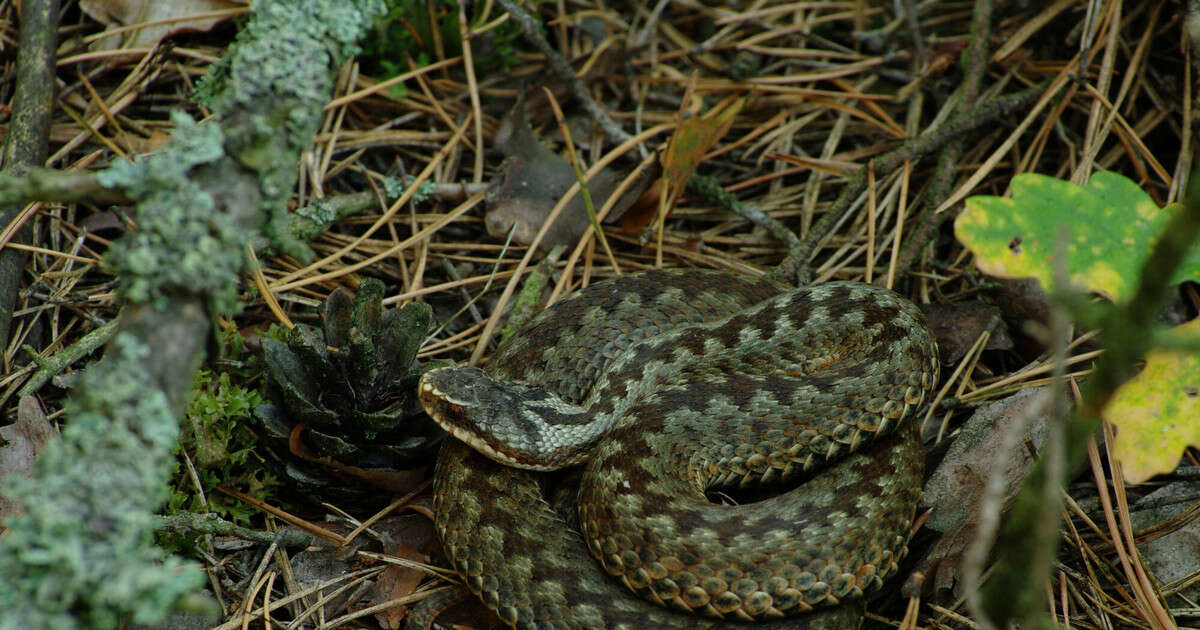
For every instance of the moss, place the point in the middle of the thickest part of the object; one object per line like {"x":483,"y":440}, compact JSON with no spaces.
{"x":224,"y":448}
{"x":90,"y":509}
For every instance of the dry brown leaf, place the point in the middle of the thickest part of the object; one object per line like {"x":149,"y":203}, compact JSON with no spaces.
{"x":397,"y":581}
{"x":957,"y":326}
{"x":312,"y":567}
{"x":533,"y":178}
{"x":117,"y":13}
{"x":470,"y":615}
{"x":692,"y":140}
{"x":695,"y":137}
{"x":20,"y":443}
{"x":104,"y":224}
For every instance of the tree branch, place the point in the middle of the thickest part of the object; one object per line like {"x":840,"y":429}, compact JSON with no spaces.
{"x":82,"y":554}
{"x":27,"y":142}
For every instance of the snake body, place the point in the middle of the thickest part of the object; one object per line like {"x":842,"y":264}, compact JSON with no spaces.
{"x":687,"y":382}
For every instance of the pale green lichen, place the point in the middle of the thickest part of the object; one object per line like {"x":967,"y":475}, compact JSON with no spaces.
{"x":181,"y":244}
{"x":277,"y":74}
{"x":285,"y":53}
{"x":81,"y":556}
{"x":319,"y":211}
{"x":395,"y":186}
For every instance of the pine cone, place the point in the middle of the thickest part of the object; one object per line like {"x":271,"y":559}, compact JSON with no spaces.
{"x":345,"y":397}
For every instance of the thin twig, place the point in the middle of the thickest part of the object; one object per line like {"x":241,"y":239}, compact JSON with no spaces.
{"x":532,"y":31}
{"x":795,"y":268}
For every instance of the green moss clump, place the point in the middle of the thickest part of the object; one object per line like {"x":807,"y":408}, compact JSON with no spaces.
{"x":408,"y":31}
{"x":218,"y":436}
{"x":224,"y":450}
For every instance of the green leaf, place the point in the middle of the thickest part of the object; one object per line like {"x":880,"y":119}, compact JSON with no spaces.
{"x":1155,"y":411}
{"x":1105,"y":229}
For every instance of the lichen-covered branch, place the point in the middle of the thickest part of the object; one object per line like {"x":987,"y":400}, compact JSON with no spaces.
{"x":50,"y":367}
{"x":48,"y":184}
{"x":187,"y":523}
{"x":81,"y":556}
{"x":975,"y":62}
{"x":711,"y":191}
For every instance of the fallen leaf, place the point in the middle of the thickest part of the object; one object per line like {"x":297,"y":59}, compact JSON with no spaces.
{"x":957,"y":326}
{"x":1021,"y":300}
{"x":692,"y":140}
{"x":469,"y":614}
{"x":397,"y":481}
{"x":395,"y":582}
{"x":533,"y":178}
{"x":1155,"y":412}
{"x":1100,"y":234}
{"x":20,"y":442}
{"x":118,"y":13}
{"x":314,"y":567}
{"x":105,"y":225}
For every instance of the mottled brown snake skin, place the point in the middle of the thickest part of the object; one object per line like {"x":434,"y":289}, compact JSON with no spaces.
{"x":709,"y":381}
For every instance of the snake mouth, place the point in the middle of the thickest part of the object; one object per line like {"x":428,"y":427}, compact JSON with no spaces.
{"x":487,"y":450}
{"x":452,"y":415}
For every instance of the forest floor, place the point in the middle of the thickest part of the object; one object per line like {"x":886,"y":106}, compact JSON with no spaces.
{"x":813,"y":115}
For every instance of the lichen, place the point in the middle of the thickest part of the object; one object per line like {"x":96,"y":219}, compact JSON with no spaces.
{"x":81,"y":556}
{"x":277,"y":74}
{"x":285,"y":53}
{"x":308,"y":222}
{"x":394,"y":187}
{"x":181,"y":244}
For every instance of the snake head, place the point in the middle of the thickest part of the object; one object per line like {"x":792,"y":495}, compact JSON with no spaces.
{"x":516,"y":425}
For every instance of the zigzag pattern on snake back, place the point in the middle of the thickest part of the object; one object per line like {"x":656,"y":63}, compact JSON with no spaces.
{"x":692,"y":381}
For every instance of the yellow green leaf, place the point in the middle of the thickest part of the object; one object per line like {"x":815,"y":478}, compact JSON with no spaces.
{"x":685,"y":150}
{"x":694,"y":137}
{"x":1157,"y":413}
{"x":1099,"y":234}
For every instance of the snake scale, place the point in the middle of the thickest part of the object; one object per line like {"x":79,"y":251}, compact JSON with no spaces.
{"x":691,"y":382}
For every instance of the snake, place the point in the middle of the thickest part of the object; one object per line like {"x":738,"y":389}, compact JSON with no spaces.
{"x":672,"y":391}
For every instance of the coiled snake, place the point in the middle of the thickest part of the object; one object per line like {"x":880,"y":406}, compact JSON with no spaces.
{"x":692,"y":381}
